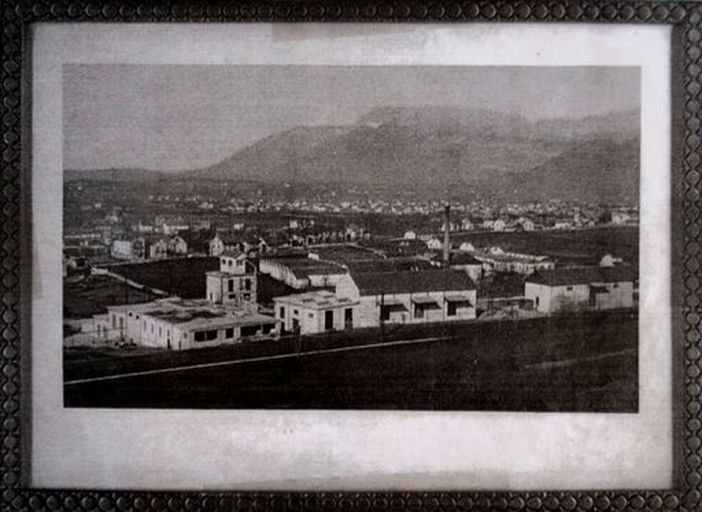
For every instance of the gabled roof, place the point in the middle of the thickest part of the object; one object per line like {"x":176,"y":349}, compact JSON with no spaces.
{"x":233,"y":253}
{"x":376,"y":283}
{"x":582,"y":275}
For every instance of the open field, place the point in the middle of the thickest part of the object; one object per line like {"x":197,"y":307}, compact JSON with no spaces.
{"x":92,"y":294}
{"x":576,"y":363}
{"x":184,"y":277}
{"x":583,"y":247}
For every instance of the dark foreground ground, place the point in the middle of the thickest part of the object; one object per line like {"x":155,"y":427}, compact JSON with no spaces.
{"x":584,"y":363}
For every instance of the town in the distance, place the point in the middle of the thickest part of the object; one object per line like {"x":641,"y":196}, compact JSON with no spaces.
{"x":183,"y":265}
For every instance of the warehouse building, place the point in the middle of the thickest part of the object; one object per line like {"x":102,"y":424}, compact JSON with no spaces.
{"x":581,"y":288}
{"x":178,"y":324}
{"x":409,"y":297}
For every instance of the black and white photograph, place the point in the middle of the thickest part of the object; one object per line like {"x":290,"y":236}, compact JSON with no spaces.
{"x":362,"y":237}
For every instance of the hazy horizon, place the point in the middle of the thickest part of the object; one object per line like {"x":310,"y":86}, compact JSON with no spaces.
{"x":179,"y":117}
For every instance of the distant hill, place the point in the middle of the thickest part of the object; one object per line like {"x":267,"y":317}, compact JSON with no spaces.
{"x":618,"y":126}
{"x":499,"y":154}
{"x":594,"y":170}
{"x":263,"y":160}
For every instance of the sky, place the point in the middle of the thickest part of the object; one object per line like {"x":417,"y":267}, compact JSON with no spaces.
{"x":178,"y":117}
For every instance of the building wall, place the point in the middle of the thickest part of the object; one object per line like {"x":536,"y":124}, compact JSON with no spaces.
{"x":369,"y":309}
{"x":549,"y":299}
{"x":213,"y":286}
{"x":369,"y":306}
{"x":346,"y":287}
{"x":324,"y":280}
{"x":283,"y":273}
{"x":122,"y":249}
{"x":216,"y":247}
{"x":231,"y":288}
{"x":158,"y":333}
{"x":311,"y":320}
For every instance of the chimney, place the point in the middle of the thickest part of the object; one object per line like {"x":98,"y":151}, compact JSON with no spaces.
{"x":447,"y":242}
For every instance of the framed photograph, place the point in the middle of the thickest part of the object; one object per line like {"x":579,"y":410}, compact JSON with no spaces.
{"x":351,"y":256}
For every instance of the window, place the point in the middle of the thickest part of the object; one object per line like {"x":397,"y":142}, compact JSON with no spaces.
{"x":418,"y":311}
{"x":384,"y":313}
{"x":205,"y":335}
{"x":451,"y":309}
{"x":230,"y":285}
{"x":247,"y":284}
{"x":348,"y":318}
{"x":130,"y":314}
{"x":247,"y":296}
{"x":249,"y":330}
{"x":281,"y":312}
{"x":114,"y":321}
{"x":310,"y":315}
{"x":223,"y":261}
{"x":121,"y":322}
{"x":229,"y":333}
{"x":536,"y":301}
{"x":296,"y":312}
{"x":160,"y":332}
{"x":152,"y":327}
{"x":569,"y":288}
{"x":328,"y":320}
{"x":615,"y":285}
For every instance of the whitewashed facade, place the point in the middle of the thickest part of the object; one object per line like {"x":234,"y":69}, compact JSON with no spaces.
{"x":314,"y":312}
{"x":409,"y":297}
{"x":580,"y":288}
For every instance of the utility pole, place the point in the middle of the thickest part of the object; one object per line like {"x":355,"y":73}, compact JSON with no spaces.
{"x":382,"y":320}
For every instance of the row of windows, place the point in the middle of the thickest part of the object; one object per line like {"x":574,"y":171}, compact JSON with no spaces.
{"x":451,"y":310}
{"x":246,"y":285}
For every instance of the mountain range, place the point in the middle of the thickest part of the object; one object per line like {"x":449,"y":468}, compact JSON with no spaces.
{"x":501,"y":155}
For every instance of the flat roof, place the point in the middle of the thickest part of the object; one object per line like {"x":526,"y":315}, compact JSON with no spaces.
{"x":315,"y":300}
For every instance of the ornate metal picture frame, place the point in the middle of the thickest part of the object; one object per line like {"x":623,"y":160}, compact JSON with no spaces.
{"x":15,"y":416}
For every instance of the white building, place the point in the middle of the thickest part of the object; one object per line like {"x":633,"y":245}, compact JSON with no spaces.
{"x":409,"y":297}
{"x":497,"y":260}
{"x":410,"y":235}
{"x":499,"y":225}
{"x":177,"y":324}
{"x":302,"y":272}
{"x":131,"y":250}
{"x":158,"y":249}
{"x":434,"y":244}
{"x":177,"y":245}
{"x":314,"y":312}
{"x":581,"y":288}
{"x":234,"y":283}
{"x":223,"y":242}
